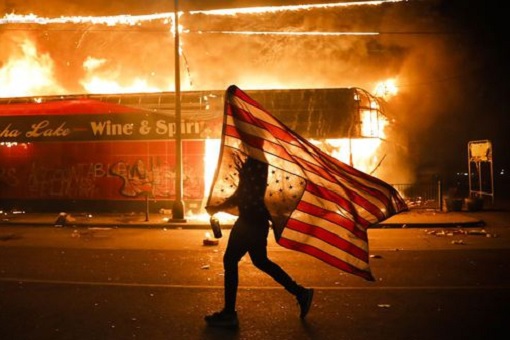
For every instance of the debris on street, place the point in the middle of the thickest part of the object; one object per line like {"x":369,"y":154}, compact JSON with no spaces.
{"x":442,"y":232}
{"x":93,"y":232}
{"x":8,"y":237}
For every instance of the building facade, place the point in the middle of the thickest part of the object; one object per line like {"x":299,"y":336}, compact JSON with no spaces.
{"x":117,"y":153}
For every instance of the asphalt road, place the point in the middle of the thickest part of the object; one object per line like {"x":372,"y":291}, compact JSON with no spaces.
{"x":108,"y":283}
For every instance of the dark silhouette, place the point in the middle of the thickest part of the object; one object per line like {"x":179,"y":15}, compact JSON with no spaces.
{"x":249,"y":235}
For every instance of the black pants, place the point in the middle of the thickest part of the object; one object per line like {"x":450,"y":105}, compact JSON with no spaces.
{"x":252,"y":239}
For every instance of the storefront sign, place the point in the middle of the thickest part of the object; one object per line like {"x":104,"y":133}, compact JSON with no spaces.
{"x":98,"y":127}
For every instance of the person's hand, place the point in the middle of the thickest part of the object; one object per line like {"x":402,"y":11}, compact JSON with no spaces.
{"x":211,"y":210}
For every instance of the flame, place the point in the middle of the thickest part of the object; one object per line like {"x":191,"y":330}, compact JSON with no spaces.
{"x":95,"y":82}
{"x":312,"y":33}
{"x":42,"y":80}
{"x":373,"y":122}
{"x":31,"y":73}
{"x":361,"y":153}
{"x":27,"y":72}
{"x":130,"y":20}
{"x":167,"y":17}
{"x":386,"y":89}
{"x":212,"y":152}
{"x":275,"y":9}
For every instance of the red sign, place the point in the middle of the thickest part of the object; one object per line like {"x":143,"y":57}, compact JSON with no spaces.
{"x":90,"y":120}
{"x":109,"y":170}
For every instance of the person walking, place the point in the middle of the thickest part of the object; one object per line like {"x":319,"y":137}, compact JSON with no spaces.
{"x":249,"y":235}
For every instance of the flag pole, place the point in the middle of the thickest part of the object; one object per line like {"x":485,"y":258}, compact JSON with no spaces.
{"x":178,"y":206}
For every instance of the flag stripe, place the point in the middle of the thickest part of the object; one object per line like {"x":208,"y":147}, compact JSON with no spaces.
{"x":346,"y":201}
{"x":247,"y":117}
{"x":310,"y":198}
{"x":312,"y":169}
{"x":358,"y":188}
{"x":328,"y":232}
{"x":327,"y":258}
{"x":300,"y":234}
{"x":333,"y":217}
{"x":248,"y":112}
{"x":249,"y":109}
{"x":272,"y":151}
{"x":319,"y":205}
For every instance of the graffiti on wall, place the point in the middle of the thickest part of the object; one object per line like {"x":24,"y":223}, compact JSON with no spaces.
{"x":142,"y":179}
{"x":103,"y":171}
{"x":77,"y":180}
{"x":8,"y":177}
{"x":81,"y":180}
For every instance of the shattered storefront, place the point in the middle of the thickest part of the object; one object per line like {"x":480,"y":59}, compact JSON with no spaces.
{"x":116,"y":153}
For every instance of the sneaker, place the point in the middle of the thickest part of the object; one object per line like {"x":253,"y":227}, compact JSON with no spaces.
{"x":305,"y":302}
{"x":222,"y":319}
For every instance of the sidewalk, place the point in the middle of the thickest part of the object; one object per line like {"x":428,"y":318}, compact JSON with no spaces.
{"x":131,"y":220}
{"x":408,"y":219}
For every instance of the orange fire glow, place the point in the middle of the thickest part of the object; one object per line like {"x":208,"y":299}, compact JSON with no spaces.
{"x":386,"y":89}
{"x":273,"y":9}
{"x":372,"y":122}
{"x":37,"y":69}
{"x":30,"y":72}
{"x":361,"y":153}
{"x":94,"y":20}
{"x":96,"y":81}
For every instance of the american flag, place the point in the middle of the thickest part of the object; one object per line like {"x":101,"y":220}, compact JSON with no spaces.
{"x":319,"y":205}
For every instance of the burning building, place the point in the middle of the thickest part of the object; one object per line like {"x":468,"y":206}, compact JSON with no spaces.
{"x":114,"y":148}
{"x":117,"y":152}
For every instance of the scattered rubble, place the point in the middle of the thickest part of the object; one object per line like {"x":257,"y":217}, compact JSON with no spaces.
{"x":442,"y":232}
{"x":63,"y":219}
{"x":94,"y":232}
{"x":8,"y":237}
{"x":384,"y":305}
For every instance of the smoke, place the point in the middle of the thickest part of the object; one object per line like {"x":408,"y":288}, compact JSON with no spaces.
{"x":214,"y":60}
{"x":423,"y":44}
{"x":255,"y":60}
{"x":446,"y":81}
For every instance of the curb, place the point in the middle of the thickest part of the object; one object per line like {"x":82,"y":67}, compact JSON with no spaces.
{"x":157,"y":223}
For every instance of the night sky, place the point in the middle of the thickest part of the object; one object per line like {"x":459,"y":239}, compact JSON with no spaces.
{"x":449,"y":56}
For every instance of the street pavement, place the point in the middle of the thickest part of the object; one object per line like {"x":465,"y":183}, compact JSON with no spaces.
{"x":154,"y":231}
{"x":411,"y":218}
{"x":134,"y":231}
{"x":440,"y":275}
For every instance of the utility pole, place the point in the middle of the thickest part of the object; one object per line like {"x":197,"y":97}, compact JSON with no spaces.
{"x":178,"y":207}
